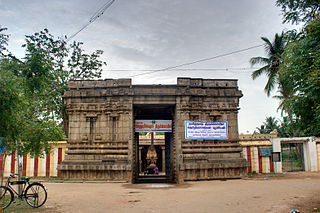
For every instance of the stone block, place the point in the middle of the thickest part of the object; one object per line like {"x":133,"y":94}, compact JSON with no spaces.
{"x":183,"y":81}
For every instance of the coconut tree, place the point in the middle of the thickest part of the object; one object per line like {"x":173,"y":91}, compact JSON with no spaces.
{"x":273,"y":50}
{"x":3,"y":40}
{"x":268,"y":125}
{"x":285,"y":94}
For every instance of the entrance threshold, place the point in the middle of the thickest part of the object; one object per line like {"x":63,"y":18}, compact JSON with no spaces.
{"x":153,"y":179}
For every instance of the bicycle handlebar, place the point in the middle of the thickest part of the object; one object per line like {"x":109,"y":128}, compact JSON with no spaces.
{"x":13,"y":174}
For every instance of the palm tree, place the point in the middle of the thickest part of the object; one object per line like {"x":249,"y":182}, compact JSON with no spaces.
{"x":268,"y":125}
{"x":284,"y":97}
{"x":3,"y":40}
{"x":272,"y":62}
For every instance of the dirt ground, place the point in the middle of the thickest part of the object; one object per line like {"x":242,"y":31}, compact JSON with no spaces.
{"x":250,"y":195}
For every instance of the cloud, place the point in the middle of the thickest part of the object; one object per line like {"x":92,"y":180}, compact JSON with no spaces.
{"x":153,"y":34}
{"x":131,"y":54}
{"x":7,"y":13}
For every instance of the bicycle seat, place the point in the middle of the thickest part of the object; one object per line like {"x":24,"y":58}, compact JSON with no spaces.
{"x":25,"y":178}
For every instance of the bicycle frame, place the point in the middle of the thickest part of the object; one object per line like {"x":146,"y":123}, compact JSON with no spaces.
{"x":9,"y":184}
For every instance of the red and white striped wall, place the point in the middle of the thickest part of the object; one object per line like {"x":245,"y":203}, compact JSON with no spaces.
{"x":47,"y":165}
{"x":258,"y":164}
{"x":36,"y":166}
{"x":318,"y":153}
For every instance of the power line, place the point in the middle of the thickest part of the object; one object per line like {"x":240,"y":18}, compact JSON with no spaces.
{"x":198,"y":61}
{"x":94,"y":17}
{"x":185,"y":69}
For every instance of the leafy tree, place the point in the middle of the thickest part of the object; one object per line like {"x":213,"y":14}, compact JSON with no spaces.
{"x":293,"y":64}
{"x":3,"y":40}
{"x":19,"y":123}
{"x":31,"y":105}
{"x":271,"y":63}
{"x":301,"y":71}
{"x":285,"y":92}
{"x":285,"y":128}
{"x":268,"y":125}
{"x":50,"y":64}
{"x":288,"y":128}
{"x":296,"y":11}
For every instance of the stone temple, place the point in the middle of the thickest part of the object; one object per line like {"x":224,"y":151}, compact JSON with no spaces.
{"x":104,"y":141}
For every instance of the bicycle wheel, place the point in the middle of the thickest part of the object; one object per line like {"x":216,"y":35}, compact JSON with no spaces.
{"x":6,"y":196}
{"x":36,"y":195}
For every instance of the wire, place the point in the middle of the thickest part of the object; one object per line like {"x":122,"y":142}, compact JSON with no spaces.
{"x":186,"y":69}
{"x":198,"y":61}
{"x":94,"y":17}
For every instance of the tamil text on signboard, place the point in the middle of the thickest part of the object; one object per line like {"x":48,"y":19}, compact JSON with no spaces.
{"x":206,"y":130}
{"x":265,"y":151}
{"x":153,"y":126}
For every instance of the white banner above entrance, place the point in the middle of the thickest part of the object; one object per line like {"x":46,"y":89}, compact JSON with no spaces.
{"x":153,"y":126}
{"x":206,"y":130}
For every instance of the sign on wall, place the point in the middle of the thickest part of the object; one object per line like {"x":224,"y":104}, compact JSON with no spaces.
{"x":265,"y":151}
{"x":276,"y":157}
{"x":153,"y":126}
{"x":2,"y":147}
{"x":206,"y":130}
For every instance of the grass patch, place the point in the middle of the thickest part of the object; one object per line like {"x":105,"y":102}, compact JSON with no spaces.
{"x":315,"y":210}
{"x":35,"y":179}
{"x":265,"y":175}
{"x":20,"y":206}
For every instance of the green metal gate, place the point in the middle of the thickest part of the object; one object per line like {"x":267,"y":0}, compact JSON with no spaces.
{"x":292,"y":157}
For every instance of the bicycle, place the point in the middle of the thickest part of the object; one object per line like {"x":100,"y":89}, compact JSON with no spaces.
{"x":34,"y":193}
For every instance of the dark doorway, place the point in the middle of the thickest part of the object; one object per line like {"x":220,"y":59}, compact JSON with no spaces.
{"x":153,"y":150}
{"x":145,"y":141}
{"x":292,"y":157}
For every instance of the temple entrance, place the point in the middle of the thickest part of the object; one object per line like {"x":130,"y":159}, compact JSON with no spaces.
{"x":153,"y":141}
{"x":151,"y":153}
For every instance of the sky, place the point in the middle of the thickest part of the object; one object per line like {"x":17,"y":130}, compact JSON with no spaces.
{"x":150,"y":35}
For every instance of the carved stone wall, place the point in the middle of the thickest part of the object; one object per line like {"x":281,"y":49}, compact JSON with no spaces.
{"x":100,"y":130}
{"x":101,"y":140}
{"x":209,"y":100}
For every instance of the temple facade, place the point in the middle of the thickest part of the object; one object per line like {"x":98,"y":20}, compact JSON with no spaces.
{"x":103,"y":141}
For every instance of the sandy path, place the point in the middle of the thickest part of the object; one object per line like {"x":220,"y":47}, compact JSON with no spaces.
{"x":251,"y":195}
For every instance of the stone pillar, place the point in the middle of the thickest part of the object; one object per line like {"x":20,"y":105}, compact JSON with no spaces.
{"x":163,"y":158}
{"x":140,"y":161}
{"x":276,"y":147}
{"x":310,"y":155}
{"x":152,"y":138}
